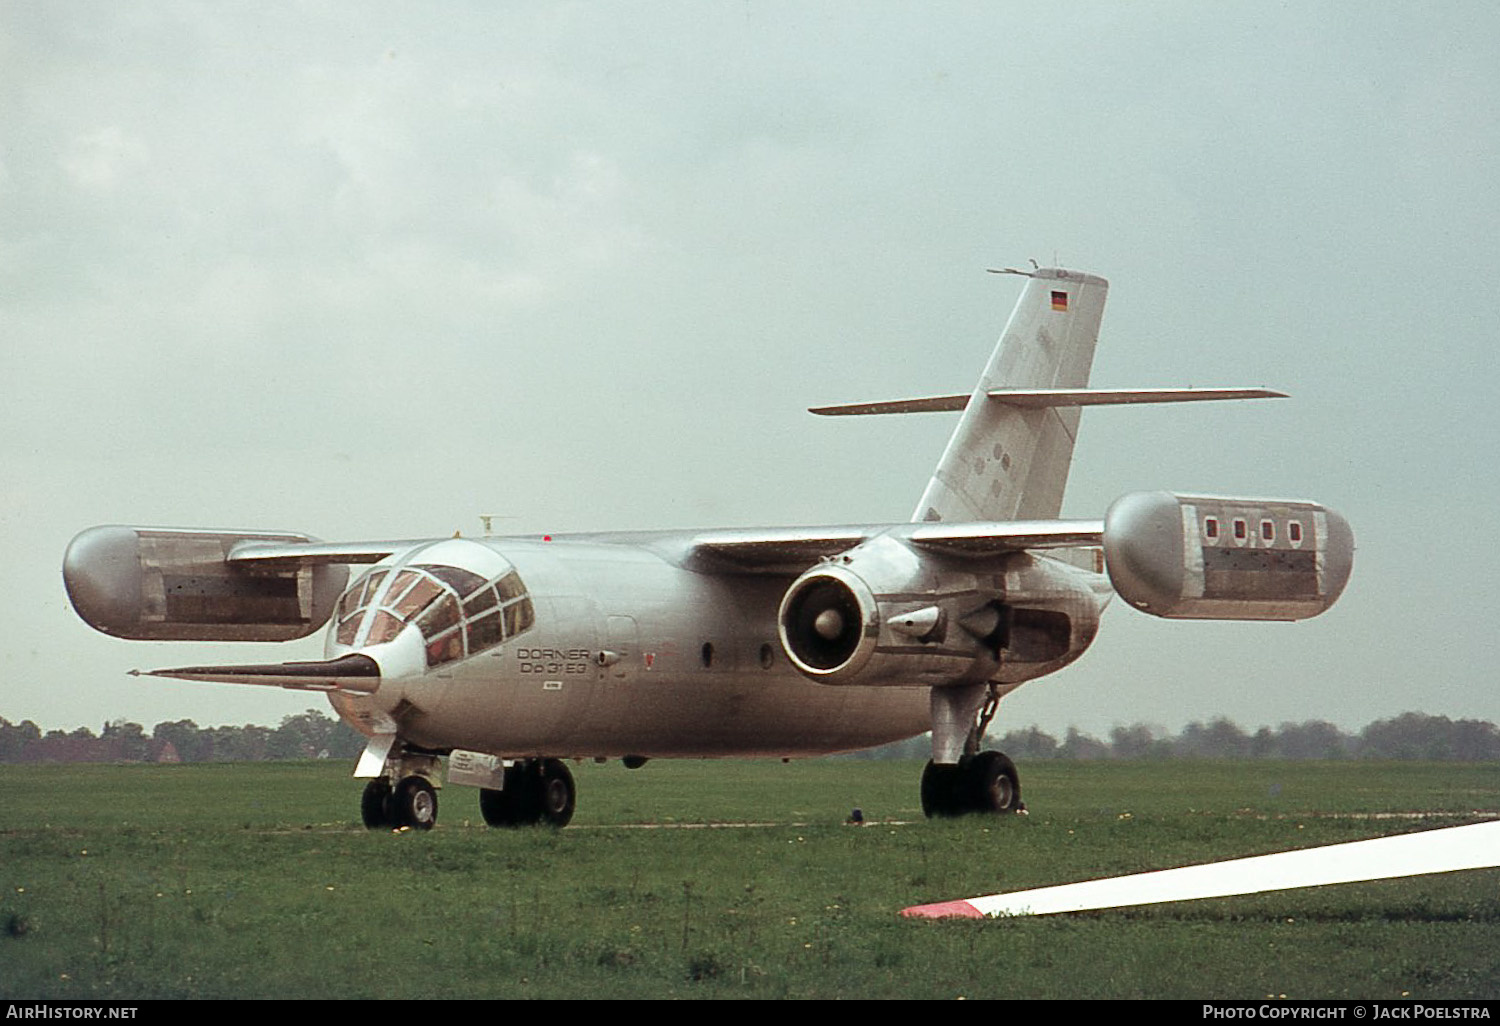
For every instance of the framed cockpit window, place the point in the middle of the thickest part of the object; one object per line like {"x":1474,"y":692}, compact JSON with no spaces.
{"x":423,"y":592}
{"x":484,"y":632}
{"x":443,"y":614}
{"x":479,"y":602}
{"x":510,"y":587}
{"x":384,"y":628}
{"x":446,"y":648}
{"x":464,"y":582}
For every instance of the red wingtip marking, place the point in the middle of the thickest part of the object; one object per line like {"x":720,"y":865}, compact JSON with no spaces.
{"x":546,"y":537}
{"x":943,"y":910}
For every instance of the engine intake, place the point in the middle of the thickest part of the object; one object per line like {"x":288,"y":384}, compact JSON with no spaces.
{"x":829,"y":622}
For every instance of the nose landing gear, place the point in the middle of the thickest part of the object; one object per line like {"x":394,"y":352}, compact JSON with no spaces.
{"x":412,"y":803}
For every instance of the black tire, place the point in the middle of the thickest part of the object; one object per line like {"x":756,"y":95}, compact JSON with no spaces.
{"x":942,"y":790}
{"x":375,"y":805}
{"x":519,"y":802}
{"x":556,"y":794}
{"x":993,"y":785}
{"x":415,"y":803}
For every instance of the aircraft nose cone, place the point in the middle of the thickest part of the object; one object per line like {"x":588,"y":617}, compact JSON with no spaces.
{"x":829,"y":624}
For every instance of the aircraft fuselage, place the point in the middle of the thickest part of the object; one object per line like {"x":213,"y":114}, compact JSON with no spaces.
{"x":628,"y":654}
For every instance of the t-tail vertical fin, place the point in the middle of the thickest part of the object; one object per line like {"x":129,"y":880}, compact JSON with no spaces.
{"x":1007,"y":461}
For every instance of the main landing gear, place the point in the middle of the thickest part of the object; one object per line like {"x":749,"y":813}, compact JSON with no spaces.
{"x":535,"y":791}
{"x":985,"y":782}
{"x":959,"y":778}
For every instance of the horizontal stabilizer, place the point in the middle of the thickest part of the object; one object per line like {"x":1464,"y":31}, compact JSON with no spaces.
{"x":356,"y":673}
{"x":932,"y":404}
{"x":1043,"y":398}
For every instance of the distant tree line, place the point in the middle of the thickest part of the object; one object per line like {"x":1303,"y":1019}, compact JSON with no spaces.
{"x":314,"y":735}
{"x":1408,"y":736}
{"x":308,"y":735}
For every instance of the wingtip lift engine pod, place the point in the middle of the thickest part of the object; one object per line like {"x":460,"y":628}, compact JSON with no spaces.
{"x":1218,"y":558}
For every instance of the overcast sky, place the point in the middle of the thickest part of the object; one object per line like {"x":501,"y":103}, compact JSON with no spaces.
{"x":368,"y":270}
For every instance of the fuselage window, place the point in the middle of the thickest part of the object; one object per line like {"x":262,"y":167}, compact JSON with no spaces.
{"x":1211,"y":528}
{"x":1294,"y":532}
{"x":1267,"y":531}
{"x":1239,"y":529}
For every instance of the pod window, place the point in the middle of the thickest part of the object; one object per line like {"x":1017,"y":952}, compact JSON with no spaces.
{"x":1294,"y":532}
{"x":1267,"y":531}
{"x":1240,"y":529}
{"x":1210,"y":528}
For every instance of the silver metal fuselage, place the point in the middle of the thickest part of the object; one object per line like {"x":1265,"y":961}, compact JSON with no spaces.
{"x":630,"y":653}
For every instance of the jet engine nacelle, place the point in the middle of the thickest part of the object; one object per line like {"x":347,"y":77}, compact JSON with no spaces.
{"x":154,"y":584}
{"x":1215,"y":558}
{"x":884,"y":613}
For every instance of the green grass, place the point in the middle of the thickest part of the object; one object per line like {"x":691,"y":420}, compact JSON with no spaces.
{"x":254,"y":880}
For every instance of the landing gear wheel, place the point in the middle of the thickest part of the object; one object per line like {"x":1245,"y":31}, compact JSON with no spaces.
{"x":375,"y":805}
{"x":557,"y":794}
{"x":987,"y":782}
{"x":515,"y":805}
{"x":415,"y":804}
{"x":993,"y":784}
{"x":942,"y":790}
{"x":536,"y":791}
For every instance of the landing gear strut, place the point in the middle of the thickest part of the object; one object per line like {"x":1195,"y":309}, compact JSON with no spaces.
{"x":960,"y":779}
{"x":535,"y":791}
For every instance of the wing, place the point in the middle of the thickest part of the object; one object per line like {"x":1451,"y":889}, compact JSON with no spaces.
{"x":995,"y":539}
{"x":793,"y":549}
{"x":266,"y":555}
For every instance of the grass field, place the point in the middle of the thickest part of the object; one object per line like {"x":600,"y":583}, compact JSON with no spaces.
{"x":253,"y":880}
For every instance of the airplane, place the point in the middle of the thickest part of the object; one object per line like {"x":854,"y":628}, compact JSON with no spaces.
{"x":505,"y":656}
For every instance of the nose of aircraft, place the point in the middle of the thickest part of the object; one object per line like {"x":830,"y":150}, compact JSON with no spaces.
{"x":400,"y":657}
